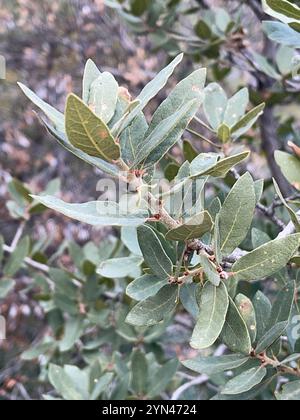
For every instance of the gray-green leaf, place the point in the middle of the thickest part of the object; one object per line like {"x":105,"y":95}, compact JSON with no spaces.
{"x":117,"y":268}
{"x":244,"y":382}
{"x":91,"y":73}
{"x":154,"y":253}
{"x":290,"y":392}
{"x":267,"y":259}
{"x":196,"y":227}
{"x":55,"y":116}
{"x":247,"y":121}
{"x":165,"y":135}
{"x":139,"y":367}
{"x":213,"y":303}
{"x":217,"y":169}
{"x":88,"y":132}
{"x":247,"y":312}
{"x":271,"y":337}
{"x":95,"y":213}
{"x":17,"y":257}
{"x":63,"y":384}
{"x":262,"y":307}
{"x":187,"y":90}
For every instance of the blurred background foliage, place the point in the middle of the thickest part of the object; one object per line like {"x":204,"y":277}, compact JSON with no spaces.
{"x":70,"y":315}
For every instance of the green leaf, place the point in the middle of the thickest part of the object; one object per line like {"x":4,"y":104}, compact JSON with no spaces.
{"x":91,"y":73}
{"x":38,"y":350}
{"x":130,"y":240}
{"x":247,"y":121}
{"x":154,"y":253}
{"x":103,"y":96}
{"x":203,"y":30}
{"x":259,"y":238}
{"x":152,"y":88}
{"x":1,"y":249}
{"x":55,"y":116}
{"x":215,"y":364}
{"x":6,"y":286}
{"x":213,"y":303}
{"x":267,"y":259}
{"x":72,"y":332}
{"x":262,"y":307}
{"x":80,"y":379}
{"x":251,"y":395}
{"x":139,"y":368}
{"x":161,"y":379}
{"x":165,"y":135}
{"x":283,"y":305}
{"x":131,"y":139}
{"x":95,"y":213}
{"x":290,"y":392}
{"x":63,"y":384}
{"x":236,"y":107}
{"x":202,"y":163}
{"x":194,"y":228}
{"x":284,"y":60}
{"x":19,"y":192}
{"x":171,"y":171}
{"x":189,"y":152}
{"x":187,"y":294}
{"x":91,"y":160}
{"x":224,"y":133}
{"x":235,"y":333}
{"x":146,"y":286}
{"x":16,"y":259}
{"x":246,"y":381}
{"x":283,"y":10}
{"x":139,"y":7}
{"x":117,"y":268}
{"x":217,"y":169}
{"x":189,"y":89}
{"x":89,"y":133}
{"x":236,"y":214}
{"x":262,"y":64}
{"x":290,"y":167}
{"x":210,"y":271}
{"x":259,"y":189}
{"x":154,"y":309}
{"x":215,"y":104}
{"x":279,"y":32}
{"x":290,"y":359}
{"x":223,"y":19}
{"x":271,"y":337}
{"x":247,"y":312}
{"x":294,"y":217}
{"x":217,"y":240}
{"x":101,"y":385}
